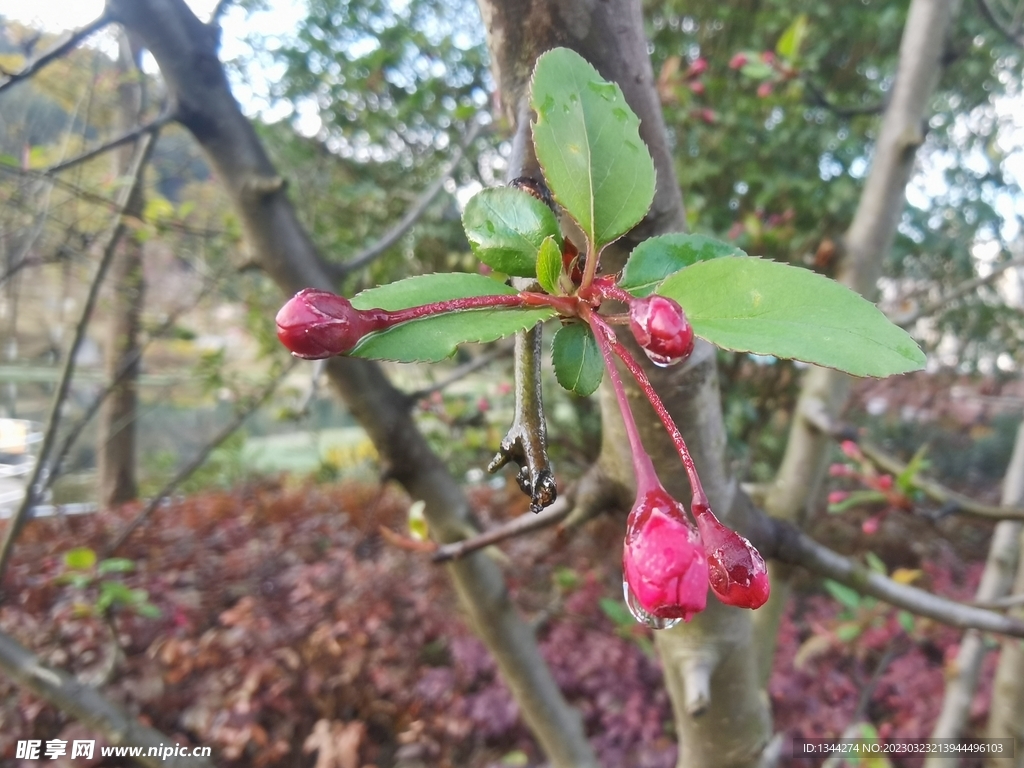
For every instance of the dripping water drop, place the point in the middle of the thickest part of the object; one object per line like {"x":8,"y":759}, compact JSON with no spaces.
{"x":642,"y":616}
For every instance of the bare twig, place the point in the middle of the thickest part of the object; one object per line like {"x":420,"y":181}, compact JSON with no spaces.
{"x":86,"y":704}
{"x":951,"y":501}
{"x":965,"y":288}
{"x":474,"y":365}
{"x":819,"y":99}
{"x":59,"y":50}
{"x":1012,"y":32}
{"x":797,"y":548}
{"x":114,"y":234}
{"x":517,"y":526}
{"x":414,"y":214}
{"x":125,"y":138}
{"x":198,"y":460}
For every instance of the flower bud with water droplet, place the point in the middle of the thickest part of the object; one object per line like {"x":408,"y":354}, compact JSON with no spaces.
{"x":316,"y":324}
{"x":663,"y":563}
{"x":660,"y":327}
{"x":736,"y":571}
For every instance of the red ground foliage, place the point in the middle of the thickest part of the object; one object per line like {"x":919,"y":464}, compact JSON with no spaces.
{"x":289,"y":626}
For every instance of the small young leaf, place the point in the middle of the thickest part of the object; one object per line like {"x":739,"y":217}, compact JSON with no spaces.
{"x":875,"y":563}
{"x":658,"y":257}
{"x":115,"y":565}
{"x":755,"y":305}
{"x":906,"y":620}
{"x":549,"y":265}
{"x":80,"y":558}
{"x":588,"y":143}
{"x":506,"y":227}
{"x":578,"y":363}
{"x":434,"y":338}
{"x":792,"y":39}
{"x":844,"y":594}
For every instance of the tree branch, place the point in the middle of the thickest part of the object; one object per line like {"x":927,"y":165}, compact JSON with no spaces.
{"x":198,"y":460}
{"x":114,"y":235}
{"x":819,"y":99}
{"x":796,"y":548}
{"x":414,"y":214}
{"x":87,"y":705}
{"x":59,"y":50}
{"x":480,"y":361}
{"x":1011,"y":33}
{"x":517,"y":526}
{"x":965,"y":288}
{"x":125,"y":138}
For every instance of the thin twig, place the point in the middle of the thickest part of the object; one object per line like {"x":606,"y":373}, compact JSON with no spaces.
{"x":198,"y":460}
{"x":966,"y":287}
{"x":1012,"y":33}
{"x":950,"y":500}
{"x":414,"y":214}
{"x":57,"y":51}
{"x":151,"y":127}
{"x":797,"y":548}
{"x":1000,"y":604}
{"x":115,"y":232}
{"x":819,"y":99}
{"x":474,"y":365}
{"x":517,"y":526}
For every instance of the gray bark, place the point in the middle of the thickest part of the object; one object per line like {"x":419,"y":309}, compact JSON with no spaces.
{"x":996,"y":581}
{"x":185,"y":50}
{"x":115,"y":449}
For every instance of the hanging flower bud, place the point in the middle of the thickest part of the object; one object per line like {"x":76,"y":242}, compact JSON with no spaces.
{"x":660,"y":327}
{"x":736,"y":571}
{"x":663,"y":563}
{"x":316,"y":324}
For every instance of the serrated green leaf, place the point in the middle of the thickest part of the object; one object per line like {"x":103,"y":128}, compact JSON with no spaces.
{"x":792,"y":39}
{"x":844,"y":594}
{"x":434,"y":338}
{"x":588,"y":143}
{"x":549,"y":265}
{"x":80,"y":558}
{"x":755,"y":305}
{"x":506,"y":227}
{"x":577,"y":359}
{"x":658,"y":257}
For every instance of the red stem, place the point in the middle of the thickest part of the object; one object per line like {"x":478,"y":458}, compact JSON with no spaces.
{"x":452,"y":305}
{"x":700,"y":500}
{"x":646,"y":477}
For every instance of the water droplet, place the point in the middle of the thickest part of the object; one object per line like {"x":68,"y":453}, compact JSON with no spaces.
{"x":641,"y":615}
{"x":662,"y":361}
{"x":489,"y":226}
{"x":548,"y":105}
{"x":620,"y":114}
{"x":606,"y":91}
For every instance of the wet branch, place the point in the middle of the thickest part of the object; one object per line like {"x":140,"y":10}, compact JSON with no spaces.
{"x":199,"y":459}
{"x":59,"y":50}
{"x":517,"y":526}
{"x":526,"y":440}
{"x":114,"y":234}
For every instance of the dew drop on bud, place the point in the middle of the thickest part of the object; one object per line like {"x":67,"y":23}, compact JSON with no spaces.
{"x":642,"y":616}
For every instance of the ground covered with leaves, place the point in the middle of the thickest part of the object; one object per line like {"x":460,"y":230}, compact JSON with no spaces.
{"x":292,"y":633}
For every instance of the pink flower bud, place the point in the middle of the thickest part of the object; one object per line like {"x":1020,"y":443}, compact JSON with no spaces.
{"x":736,"y":571}
{"x":663,"y":562}
{"x":871,"y":525}
{"x":660,"y":327}
{"x":838,"y":497}
{"x":885,"y":482}
{"x":698,"y":68}
{"x":764,"y":90}
{"x":840,"y":470}
{"x":738,"y":61}
{"x":316,"y":324}
{"x":851,"y":449}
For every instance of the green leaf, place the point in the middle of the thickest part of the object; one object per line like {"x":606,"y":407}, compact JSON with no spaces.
{"x":857,"y":499}
{"x":549,"y":265}
{"x":578,"y":363}
{"x":617,"y":612}
{"x":588,"y":143}
{"x":434,"y":338}
{"x":116,"y":565}
{"x":844,"y":594}
{"x":906,"y":620}
{"x":506,"y":227}
{"x":658,"y":257}
{"x":80,"y":558}
{"x":148,"y":610}
{"x":875,"y":563}
{"x":919,"y":463}
{"x":755,"y":305}
{"x":849,"y":631}
{"x":792,"y":39}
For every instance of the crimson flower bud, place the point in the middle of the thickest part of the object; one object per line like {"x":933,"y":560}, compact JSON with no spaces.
{"x":660,"y":327}
{"x":664,"y":567}
{"x":738,"y":61}
{"x":736,"y":571}
{"x":316,"y":324}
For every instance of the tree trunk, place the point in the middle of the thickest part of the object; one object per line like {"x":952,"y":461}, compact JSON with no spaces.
{"x":115,"y":450}
{"x":186,"y":51}
{"x":729,"y":725}
{"x":865,"y":246}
